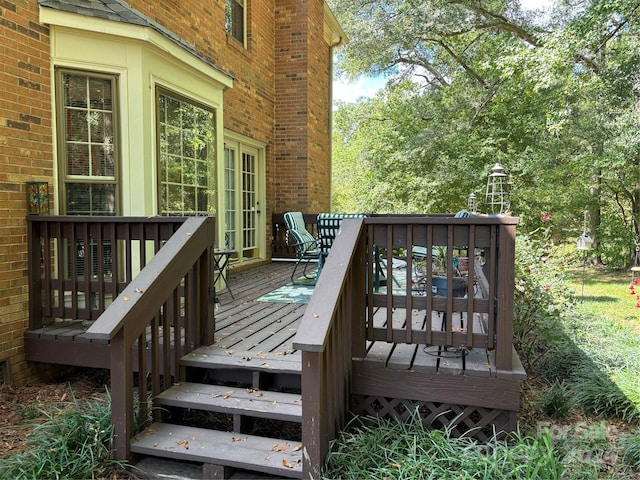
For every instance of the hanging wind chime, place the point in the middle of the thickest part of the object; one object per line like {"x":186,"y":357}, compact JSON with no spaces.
{"x":635,"y":274}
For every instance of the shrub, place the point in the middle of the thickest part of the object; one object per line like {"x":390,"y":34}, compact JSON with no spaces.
{"x":541,"y":300}
{"x":557,"y":400}
{"x":74,"y":441}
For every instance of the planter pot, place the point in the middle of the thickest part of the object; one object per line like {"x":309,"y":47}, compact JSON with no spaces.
{"x":439,"y":286}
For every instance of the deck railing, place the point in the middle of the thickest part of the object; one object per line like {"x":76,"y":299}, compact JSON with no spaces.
{"x":78,"y":265}
{"x":153,"y":318}
{"x":350,"y":295}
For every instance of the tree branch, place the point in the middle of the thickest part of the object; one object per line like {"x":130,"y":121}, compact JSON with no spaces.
{"x":502,"y":23}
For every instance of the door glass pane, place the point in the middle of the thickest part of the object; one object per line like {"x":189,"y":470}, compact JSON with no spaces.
{"x":230,"y":197}
{"x":249,"y":206}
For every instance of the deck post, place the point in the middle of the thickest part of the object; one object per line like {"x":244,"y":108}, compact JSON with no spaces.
{"x":34,"y":239}
{"x":121,"y":395}
{"x":312,"y":458}
{"x":506,"y":285}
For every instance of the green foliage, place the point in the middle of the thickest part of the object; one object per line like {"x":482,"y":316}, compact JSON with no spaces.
{"x":616,"y":242}
{"x":376,"y":448}
{"x":541,"y":299}
{"x":557,"y":400}
{"x":588,"y":359}
{"x":74,"y":441}
{"x":596,"y":394}
{"x":553,"y":98}
{"x":630,"y":448}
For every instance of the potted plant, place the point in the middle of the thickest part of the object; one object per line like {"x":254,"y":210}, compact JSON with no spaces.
{"x":439,"y":278}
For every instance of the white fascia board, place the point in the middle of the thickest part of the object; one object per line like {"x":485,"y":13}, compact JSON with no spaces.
{"x":139,"y":33}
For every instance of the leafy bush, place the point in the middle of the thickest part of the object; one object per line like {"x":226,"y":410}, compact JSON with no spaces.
{"x":541,"y":300}
{"x":74,"y":441}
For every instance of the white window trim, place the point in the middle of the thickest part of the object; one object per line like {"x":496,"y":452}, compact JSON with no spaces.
{"x":143,"y":59}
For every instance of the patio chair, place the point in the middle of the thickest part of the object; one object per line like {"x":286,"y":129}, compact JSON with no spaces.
{"x":329,"y":225}
{"x":328,"y":228}
{"x":306,"y":245}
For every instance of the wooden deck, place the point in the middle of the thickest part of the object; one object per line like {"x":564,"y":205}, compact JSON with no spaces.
{"x":358,"y":346}
{"x":256,"y":334}
{"x":244,"y":327}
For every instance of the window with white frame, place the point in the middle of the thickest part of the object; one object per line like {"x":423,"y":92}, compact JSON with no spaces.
{"x":186,"y":136}
{"x":235,"y":19}
{"x":87,"y":143}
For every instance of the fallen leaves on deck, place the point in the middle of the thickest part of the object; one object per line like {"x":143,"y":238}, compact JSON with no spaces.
{"x":184,"y":443}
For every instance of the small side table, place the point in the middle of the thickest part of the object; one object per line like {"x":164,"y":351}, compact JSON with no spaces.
{"x":221,"y":258}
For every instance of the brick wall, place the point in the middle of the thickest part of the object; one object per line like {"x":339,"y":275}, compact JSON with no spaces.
{"x":25,"y":154}
{"x":319,"y":145}
{"x":302,"y":141}
{"x":279,"y":97}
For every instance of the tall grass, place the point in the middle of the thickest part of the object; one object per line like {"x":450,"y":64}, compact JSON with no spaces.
{"x":74,"y":441}
{"x":379,"y":448}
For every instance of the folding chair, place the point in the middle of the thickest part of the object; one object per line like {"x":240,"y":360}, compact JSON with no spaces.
{"x":306,"y":245}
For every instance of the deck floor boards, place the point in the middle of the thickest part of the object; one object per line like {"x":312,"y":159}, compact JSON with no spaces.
{"x":258,"y":333}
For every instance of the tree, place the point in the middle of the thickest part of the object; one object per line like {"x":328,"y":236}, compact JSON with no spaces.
{"x":472,"y":82}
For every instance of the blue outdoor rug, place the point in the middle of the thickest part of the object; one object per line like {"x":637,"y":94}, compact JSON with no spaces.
{"x":288,"y":294}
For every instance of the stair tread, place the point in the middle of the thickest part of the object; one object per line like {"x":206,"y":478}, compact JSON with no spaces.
{"x":225,"y":399}
{"x":267,"y":455}
{"x":216,"y":357}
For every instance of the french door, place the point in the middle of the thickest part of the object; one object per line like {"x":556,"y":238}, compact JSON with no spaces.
{"x":244,"y":224}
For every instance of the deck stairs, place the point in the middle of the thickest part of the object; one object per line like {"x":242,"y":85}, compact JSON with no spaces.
{"x":235,"y":412}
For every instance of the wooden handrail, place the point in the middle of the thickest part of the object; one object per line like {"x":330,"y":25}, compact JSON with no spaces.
{"x":170,"y":299}
{"x":156,"y":281}
{"x":146,"y":283}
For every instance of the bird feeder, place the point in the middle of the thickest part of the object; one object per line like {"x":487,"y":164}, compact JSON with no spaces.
{"x":584,"y":242}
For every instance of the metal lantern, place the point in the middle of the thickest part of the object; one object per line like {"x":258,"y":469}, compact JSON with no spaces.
{"x":497,"y":197}
{"x":472,"y":205}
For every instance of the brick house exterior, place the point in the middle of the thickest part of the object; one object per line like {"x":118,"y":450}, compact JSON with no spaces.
{"x":269,"y":92}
